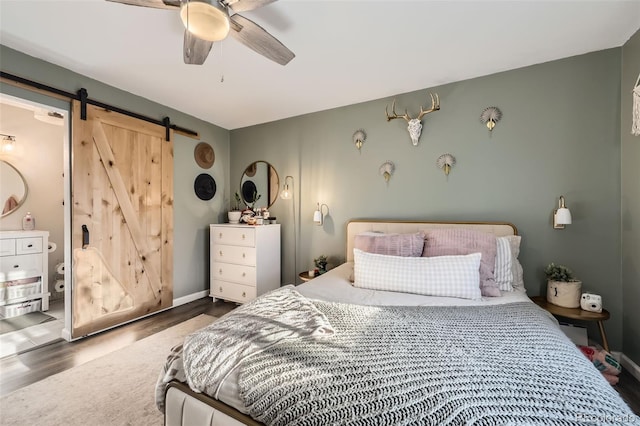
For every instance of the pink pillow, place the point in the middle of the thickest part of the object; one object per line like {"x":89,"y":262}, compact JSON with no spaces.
{"x":405,"y":245}
{"x":458,"y":241}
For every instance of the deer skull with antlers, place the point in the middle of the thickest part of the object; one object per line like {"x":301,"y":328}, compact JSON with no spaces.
{"x":415,"y":126}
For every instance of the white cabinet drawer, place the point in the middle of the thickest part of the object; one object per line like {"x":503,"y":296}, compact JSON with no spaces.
{"x":234,"y":254}
{"x":236,"y":236}
{"x":28,"y":245}
{"x":244,"y":261}
{"x":235,"y":273}
{"x":8,"y":247}
{"x":19,"y":267}
{"x":232,"y":291}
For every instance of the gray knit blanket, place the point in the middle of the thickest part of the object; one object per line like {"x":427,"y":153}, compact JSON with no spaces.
{"x":212,"y":353}
{"x":473,"y":365}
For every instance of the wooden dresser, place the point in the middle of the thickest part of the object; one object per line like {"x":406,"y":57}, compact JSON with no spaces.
{"x":24,"y":266}
{"x":244,"y":261}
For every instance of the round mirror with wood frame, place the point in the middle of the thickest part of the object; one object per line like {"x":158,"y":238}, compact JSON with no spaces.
{"x":13,"y":191}
{"x":259,"y":185}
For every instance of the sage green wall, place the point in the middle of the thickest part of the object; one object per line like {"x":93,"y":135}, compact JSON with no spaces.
{"x":191,"y":215}
{"x":560,"y":135}
{"x":630,"y":204}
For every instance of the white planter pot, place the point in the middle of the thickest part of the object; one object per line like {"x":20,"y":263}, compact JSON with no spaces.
{"x":565,"y":294}
{"x":234,"y":216}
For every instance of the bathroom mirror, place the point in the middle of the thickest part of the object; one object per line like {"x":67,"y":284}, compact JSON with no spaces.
{"x":13,"y":190}
{"x":259,"y":178}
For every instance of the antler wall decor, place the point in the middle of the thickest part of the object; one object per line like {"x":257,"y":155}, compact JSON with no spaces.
{"x":415,"y":126}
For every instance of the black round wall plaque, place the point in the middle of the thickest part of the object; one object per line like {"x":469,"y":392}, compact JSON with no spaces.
{"x":249,"y":191}
{"x":204,"y":186}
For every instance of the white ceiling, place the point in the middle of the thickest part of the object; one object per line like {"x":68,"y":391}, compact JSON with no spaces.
{"x":347,"y":51}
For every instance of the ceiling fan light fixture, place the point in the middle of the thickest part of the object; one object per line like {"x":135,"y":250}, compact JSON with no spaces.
{"x":207,"y":20}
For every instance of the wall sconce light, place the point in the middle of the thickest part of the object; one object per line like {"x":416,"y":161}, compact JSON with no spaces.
{"x":286,"y":193}
{"x":318,"y":215}
{"x":8,"y":143}
{"x":562,"y":215}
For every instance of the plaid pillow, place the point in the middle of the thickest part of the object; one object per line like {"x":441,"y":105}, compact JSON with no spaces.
{"x":446,"y":276}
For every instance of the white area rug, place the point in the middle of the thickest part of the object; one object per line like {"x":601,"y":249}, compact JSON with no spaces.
{"x":116,"y":389}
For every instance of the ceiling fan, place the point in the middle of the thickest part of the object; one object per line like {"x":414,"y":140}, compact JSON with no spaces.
{"x":206,"y":21}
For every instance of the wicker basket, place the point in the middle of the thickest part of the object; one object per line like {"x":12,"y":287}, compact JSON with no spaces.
{"x":16,"y":290}
{"x":10,"y":311}
{"x":565,"y":294}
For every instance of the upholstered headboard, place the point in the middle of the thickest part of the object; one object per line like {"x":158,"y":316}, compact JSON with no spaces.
{"x":354,"y":227}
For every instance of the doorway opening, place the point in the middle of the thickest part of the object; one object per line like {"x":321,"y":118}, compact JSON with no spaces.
{"x":41,"y":156}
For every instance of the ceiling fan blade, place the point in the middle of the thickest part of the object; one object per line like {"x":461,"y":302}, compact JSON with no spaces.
{"x":194,"y":49}
{"x":157,"y":4}
{"x":258,"y":39}
{"x":246,"y":5}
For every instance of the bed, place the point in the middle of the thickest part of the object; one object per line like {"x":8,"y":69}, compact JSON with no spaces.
{"x":393,"y":337}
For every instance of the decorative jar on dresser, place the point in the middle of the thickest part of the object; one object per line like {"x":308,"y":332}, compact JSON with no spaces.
{"x":244,"y":261}
{"x":24,"y":265}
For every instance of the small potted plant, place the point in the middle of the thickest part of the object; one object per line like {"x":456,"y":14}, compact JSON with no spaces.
{"x":255,"y":199}
{"x":235,"y":213}
{"x":321,"y":264}
{"x":563,"y":289}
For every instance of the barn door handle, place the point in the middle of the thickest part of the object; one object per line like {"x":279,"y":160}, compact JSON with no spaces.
{"x":85,"y":237}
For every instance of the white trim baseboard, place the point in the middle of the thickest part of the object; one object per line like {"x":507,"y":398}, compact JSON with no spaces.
{"x":190,"y":298}
{"x":631,"y":366}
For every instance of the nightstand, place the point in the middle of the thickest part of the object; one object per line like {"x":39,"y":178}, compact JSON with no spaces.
{"x":304,"y":276}
{"x":576,"y":314}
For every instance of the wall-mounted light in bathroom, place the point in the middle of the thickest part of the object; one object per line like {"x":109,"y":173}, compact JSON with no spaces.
{"x":8,"y":143}
{"x":318,"y":215}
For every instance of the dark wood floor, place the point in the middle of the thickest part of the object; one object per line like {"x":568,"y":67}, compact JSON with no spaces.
{"x":29,"y":367}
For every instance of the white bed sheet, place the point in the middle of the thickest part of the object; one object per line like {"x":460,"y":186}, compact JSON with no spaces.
{"x":334,"y":286}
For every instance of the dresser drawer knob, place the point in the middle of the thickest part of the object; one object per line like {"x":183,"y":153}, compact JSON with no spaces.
{"x":244,"y":255}
{"x":244,"y":274}
{"x":30,"y":245}
{"x":220,"y":271}
{"x":220,"y":235}
{"x":16,"y":266}
{"x":220,"y":289}
{"x":244,"y":294}
{"x":243,"y":236}
{"x":220,"y":253}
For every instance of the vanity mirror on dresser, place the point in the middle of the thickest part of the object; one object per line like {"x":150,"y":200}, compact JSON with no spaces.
{"x":24,"y":265}
{"x":244,"y":261}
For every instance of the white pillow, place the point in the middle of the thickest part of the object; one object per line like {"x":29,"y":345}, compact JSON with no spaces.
{"x":516,"y":267}
{"x":446,"y":276}
{"x":503,"y":268}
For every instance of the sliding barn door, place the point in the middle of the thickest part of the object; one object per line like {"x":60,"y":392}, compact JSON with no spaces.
{"x":122,"y":219}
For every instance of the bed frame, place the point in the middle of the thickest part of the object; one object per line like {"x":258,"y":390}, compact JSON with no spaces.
{"x":186,"y":407}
